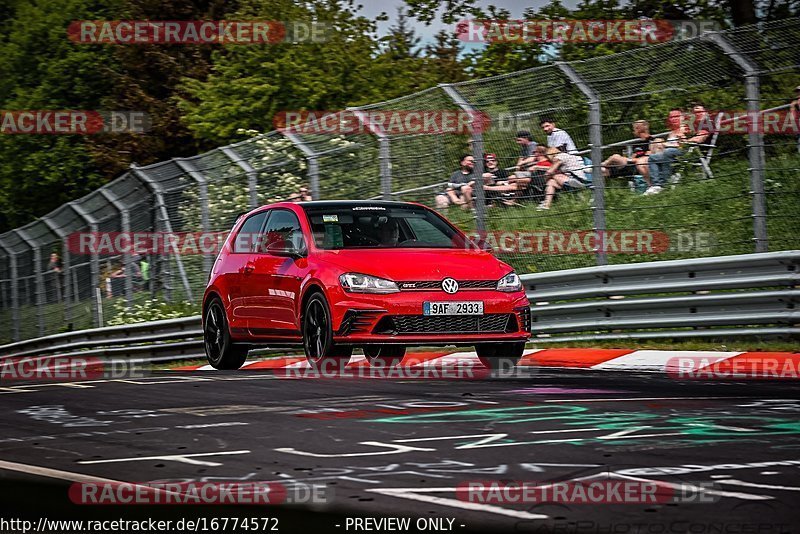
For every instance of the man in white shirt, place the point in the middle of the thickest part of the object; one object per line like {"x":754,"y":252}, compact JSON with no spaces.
{"x":557,"y":138}
{"x":566,"y":172}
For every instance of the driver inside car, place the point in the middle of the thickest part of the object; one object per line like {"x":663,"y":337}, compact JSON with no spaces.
{"x":389,"y":231}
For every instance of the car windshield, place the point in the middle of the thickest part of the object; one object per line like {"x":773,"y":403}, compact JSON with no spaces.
{"x":363,"y":226}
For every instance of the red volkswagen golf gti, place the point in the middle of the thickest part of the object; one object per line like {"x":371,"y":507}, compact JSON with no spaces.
{"x":335,"y":275}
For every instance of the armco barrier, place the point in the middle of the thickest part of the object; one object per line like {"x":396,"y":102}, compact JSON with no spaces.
{"x":751,"y":294}
{"x":756,"y":293}
{"x":172,"y":336}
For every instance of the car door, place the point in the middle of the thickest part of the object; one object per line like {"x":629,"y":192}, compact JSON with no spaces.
{"x":239,"y":268}
{"x":275,"y":281}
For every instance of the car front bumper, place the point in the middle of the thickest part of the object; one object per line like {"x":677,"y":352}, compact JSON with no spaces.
{"x":360,"y":318}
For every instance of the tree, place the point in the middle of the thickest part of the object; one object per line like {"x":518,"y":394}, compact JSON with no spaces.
{"x":402,"y":41}
{"x":43,"y":70}
{"x":249,"y":85}
{"x":443,"y":58}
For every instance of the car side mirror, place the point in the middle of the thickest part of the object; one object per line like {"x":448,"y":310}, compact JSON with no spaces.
{"x":285,"y":249}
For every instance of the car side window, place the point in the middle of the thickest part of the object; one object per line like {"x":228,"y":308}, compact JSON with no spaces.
{"x":249,"y":234}
{"x":283,"y":225}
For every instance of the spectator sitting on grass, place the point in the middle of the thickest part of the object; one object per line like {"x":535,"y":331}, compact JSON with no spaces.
{"x":619,"y":165}
{"x":566,"y":172}
{"x":523,"y":184}
{"x":459,"y":187}
{"x":493,"y":176}
{"x":660,"y":164}
{"x":527,"y":146}
{"x":302,"y":195}
{"x":556,"y":137}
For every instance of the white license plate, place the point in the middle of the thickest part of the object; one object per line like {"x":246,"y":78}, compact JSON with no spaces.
{"x":466,"y":307}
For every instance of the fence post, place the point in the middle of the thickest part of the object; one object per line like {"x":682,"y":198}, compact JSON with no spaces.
{"x":37,"y":269}
{"x":384,"y":151}
{"x":94,"y":265}
{"x":755,"y":136}
{"x":125,"y":220}
{"x":161,"y":206}
{"x":202,"y":184}
{"x":311,"y":159}
{"x":252,"y":175}
{"x":62,"y":279}
{"x":477,"y":153}
{"x":12,"y":264}
{"x":596,"y":144}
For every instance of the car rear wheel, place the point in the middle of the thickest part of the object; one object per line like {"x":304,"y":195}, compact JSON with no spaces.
{"x":221,"y":352}
{"x":385,"y":355}
{"x":318,"y":335}
{"x":496,"y":356}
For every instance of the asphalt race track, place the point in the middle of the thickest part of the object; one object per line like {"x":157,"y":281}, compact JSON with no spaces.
{"x":387,"y":448}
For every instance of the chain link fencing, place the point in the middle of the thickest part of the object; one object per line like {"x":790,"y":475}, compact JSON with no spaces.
{"x":737,"y":192}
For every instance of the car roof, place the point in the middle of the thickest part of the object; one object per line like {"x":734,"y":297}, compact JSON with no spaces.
{"x":355,"y":203}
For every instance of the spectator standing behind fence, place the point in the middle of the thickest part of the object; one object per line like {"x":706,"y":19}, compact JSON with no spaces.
{"x":676,"y":145}
{"x":618,"y":165}
{"x":115,"y":283}
{"x":556,"y":137}
{"x":55,"y":266}
{"x":566,"y":172}
{"x":55,"y":263}
{"x":459,"y":187}
{"x":794,"y":109}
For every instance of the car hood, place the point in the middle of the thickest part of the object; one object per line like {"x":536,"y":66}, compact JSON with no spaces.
{"x":418,"y":264}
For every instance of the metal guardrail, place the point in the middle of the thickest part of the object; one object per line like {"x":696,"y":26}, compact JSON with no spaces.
{"x":750,"y":294}
{"x":755,"y":293}
{"x":178,"y":337}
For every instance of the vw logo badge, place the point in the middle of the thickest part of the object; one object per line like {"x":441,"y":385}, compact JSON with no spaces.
{"x":449,"y":285}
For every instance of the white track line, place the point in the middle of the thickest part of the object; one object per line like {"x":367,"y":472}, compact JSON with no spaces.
{"x":414,"y":495}
{"x":658,"y":359}
{"x":53,"y":473}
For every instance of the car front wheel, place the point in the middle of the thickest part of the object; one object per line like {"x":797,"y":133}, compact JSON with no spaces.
{"x":497,"y":356}
{"x":318,"y":336}
{"x":221,"y":352}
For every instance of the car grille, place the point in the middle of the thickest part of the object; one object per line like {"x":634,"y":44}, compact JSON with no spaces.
{"x":436,"y":285}
{"x":447,"y":324}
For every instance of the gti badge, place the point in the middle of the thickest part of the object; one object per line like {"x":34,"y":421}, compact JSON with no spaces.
{"x":449,"y":285}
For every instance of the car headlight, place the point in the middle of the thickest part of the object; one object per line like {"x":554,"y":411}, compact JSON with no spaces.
{"x":509,"y":283}
{"x":364,"y":283}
